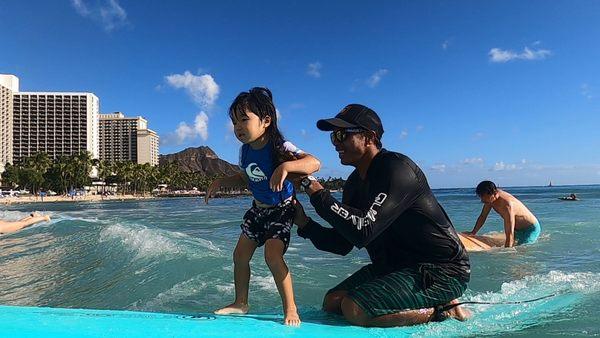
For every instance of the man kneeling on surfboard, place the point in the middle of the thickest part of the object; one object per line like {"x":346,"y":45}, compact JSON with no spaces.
{"x":419,"y":267}
{"x":520,"y":225}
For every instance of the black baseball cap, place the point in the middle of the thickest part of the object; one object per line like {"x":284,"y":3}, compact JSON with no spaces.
{"x":354,"y":116}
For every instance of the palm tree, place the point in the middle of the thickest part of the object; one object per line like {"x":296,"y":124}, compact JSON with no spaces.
{"x":35,"y":167}
{"x":11,"y":175}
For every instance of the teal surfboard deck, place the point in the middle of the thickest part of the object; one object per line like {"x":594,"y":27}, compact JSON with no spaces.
{"x":16,"y":321}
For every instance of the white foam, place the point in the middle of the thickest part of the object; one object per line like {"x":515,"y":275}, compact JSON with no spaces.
{"x":147,"y":243}
{"x":177,"y":292}
{"x":265,"y":283}
{"x":568,"y":289}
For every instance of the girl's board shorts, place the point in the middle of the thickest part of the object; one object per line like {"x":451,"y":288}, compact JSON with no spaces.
{"x":261,"y":224}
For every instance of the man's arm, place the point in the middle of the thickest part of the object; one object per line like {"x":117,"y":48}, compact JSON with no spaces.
{"x":325,"y":239}
{"x":396,"y":188}
{"x":508,"y":215}
{"x":485,"y":211}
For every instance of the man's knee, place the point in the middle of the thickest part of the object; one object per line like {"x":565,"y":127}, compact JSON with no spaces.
{"x":332,"y":302}
{"x":354,"y":313}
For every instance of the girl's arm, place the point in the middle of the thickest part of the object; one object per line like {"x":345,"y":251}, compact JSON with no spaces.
{"x":305,"y":164}
{"x":238,"y":180}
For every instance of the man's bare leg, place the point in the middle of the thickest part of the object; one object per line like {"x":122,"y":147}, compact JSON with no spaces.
{"x":356,"y":315}
{"x":241,"y":275}
{"x":12,"y":226}
{"x":332,"y":302}
{"x":283,"y":279}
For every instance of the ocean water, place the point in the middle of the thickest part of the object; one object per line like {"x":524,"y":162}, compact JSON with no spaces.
{"x":174,"y":256}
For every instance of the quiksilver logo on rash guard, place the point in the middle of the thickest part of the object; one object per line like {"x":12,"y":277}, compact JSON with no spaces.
{"x":254,"y":173}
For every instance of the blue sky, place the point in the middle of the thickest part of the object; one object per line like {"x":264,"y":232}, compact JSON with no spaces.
{"x":471,"y":90}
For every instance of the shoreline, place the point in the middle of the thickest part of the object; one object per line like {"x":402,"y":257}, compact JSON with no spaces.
{"x":99,"y":198}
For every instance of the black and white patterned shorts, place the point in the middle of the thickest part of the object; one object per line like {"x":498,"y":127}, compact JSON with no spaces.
{"x":261,"y":224}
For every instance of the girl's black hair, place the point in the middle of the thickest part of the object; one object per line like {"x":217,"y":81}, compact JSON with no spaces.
{"x":259,"y":100}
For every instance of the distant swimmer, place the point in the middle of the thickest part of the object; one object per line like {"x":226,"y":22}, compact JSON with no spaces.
{"x":12,"y":226}
{"x":571,"y":197}
{"x":520,"y":225}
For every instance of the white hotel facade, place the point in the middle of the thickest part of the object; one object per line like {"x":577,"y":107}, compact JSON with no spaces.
{"x":66,"y":123}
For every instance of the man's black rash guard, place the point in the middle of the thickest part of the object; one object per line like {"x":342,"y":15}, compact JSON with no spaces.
{"x":394,"y":214}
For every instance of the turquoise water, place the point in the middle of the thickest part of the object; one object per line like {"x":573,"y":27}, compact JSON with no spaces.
{"x":174,"y":256}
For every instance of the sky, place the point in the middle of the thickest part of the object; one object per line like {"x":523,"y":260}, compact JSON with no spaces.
{"x":470,"y":90}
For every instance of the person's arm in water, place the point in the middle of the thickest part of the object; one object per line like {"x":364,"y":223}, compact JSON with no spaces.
{"x":238,"y":180}
{"x":325,"y":239}
{"x":485,"y":211}
{"x":508,"y":214}
{"x":304,"y":164}
{"x":392,"y":193}
{"x":12,"y":226}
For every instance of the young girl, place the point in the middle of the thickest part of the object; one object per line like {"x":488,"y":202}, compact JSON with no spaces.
{"x":266,"y":159}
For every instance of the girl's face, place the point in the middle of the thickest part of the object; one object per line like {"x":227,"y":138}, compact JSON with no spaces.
{"x":250,"y":128}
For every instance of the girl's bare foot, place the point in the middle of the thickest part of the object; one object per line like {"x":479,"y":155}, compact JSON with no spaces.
{"x":47,"y":218}
{"x":291,"y":318}
{"x":459,"y":312}
{"x":234,"y":308}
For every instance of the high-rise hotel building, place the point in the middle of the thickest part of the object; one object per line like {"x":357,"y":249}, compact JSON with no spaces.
{"x":9,"y":84}
{"x":127,"y":139}
{"x":55,"y":123}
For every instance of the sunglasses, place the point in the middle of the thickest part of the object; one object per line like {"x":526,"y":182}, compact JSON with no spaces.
{"x":340,"y":135}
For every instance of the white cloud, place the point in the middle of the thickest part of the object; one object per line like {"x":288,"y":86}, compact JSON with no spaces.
{"x":229,"y":127}
{"x":80,"y":7}
{"x":186,"y":133}
{"x":478,"y":136}
{"x":446,"y":44}
{"x":501,"y":56}
{"x":314,"y":69}
{"x":202,"y":89}
{"x":419,"y":128}
{"x":201,"y":125}
{"x":501,"y":166}
{"x":374,"y":79}
{"x":403,"y":134}
{"x":472,"y":160}
{"x":107,"y":13}
{"x":439,"y":167}
{"x":586,"y":91}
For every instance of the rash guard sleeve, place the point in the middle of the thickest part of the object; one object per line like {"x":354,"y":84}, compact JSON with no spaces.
{"x":394,"y":189}
{"x":326,"y":239}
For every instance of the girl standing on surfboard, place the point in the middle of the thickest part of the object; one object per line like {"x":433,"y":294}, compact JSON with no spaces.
{"x":266,"y":159}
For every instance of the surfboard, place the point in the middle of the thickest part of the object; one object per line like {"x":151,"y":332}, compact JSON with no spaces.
{"x":480,"y":243}
{"x":17,"y":321}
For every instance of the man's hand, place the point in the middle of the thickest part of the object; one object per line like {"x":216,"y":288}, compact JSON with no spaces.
{"x":212,"y":188}
{"x":279,"y":175}
{"x":300,"y":218}
{"x":313,"y":187}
